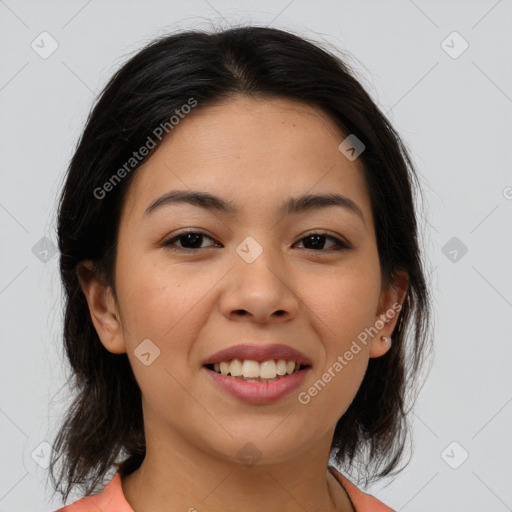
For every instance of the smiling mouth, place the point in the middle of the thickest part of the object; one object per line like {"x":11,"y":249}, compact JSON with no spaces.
{"x":248,"y":370}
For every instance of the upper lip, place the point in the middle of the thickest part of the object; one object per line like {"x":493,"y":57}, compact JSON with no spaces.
{"x":259,"y":353}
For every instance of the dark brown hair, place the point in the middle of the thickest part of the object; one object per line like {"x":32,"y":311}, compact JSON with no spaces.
{"x":103,"y":427}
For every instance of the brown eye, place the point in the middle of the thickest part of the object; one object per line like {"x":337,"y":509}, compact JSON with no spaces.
{"x":190,"y":240}
{"x":316,"y":241}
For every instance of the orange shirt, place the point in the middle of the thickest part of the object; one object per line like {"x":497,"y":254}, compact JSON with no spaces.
{"x":112,"y":498}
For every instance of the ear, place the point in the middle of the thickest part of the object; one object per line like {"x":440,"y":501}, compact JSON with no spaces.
{"x":102,"y":306}
{"x":390,"y":303}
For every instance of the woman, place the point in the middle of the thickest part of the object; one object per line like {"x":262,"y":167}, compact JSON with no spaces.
{"x":239,"y":253}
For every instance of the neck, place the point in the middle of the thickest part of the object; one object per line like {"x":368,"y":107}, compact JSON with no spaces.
{"x":182,"y":477}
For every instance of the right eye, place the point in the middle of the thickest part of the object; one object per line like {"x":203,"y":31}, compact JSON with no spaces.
{"x":190,"y":240}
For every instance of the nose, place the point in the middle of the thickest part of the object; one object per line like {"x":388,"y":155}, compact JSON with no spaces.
{"x":259,"y":292}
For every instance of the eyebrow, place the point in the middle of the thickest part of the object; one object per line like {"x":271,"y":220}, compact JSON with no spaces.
{"x":292,"y":206}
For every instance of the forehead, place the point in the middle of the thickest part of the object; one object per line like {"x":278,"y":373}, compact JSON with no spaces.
{"x":252,"y":152}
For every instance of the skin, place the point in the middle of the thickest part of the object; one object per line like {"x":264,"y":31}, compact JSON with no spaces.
{"x":255,"y":153}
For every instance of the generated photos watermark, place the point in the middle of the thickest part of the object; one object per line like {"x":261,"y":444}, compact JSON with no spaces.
{"x":143,"y":151}
{"x":304,"y":397}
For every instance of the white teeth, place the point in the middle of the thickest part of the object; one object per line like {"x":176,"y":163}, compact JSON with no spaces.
{"x":268,"y":369}
{"x":235,"y":368}
{"x":224,"y":368}
{"x":250,"y":369}
{"x":281,"y":367}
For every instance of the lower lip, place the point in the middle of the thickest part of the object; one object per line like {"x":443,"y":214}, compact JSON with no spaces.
{"x":258,"y":392}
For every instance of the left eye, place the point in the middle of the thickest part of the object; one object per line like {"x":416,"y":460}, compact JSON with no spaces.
{"x":315,"y":239}
{"x":192,"y":240}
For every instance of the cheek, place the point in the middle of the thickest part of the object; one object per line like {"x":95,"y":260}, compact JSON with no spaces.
{"x":153,"y":299}
{"x":344,"y":306}
{"x":345,"y":302}
{"x":168,"y":305}
{"x":164,"y":307}
{"x":340,"y":315}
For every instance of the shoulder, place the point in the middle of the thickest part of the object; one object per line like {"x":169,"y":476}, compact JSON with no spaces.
{"x":361,"y":501}
{"x":111,"y":499}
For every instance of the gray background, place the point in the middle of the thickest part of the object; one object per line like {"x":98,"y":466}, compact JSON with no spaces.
{"x":454,"y":113}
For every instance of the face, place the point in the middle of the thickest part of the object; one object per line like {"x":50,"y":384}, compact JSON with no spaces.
{"x":307,"y":278}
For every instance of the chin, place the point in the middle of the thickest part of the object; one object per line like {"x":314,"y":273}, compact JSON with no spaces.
{"x":257,"y":449}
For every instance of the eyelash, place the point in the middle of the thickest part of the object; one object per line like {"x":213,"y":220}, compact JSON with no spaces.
{"x":340,"y":245}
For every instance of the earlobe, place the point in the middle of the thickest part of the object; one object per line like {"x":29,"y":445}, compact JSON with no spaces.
{"x":102,"y":308}
{"x":379,"y":346}
{"x":390,"y":305}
